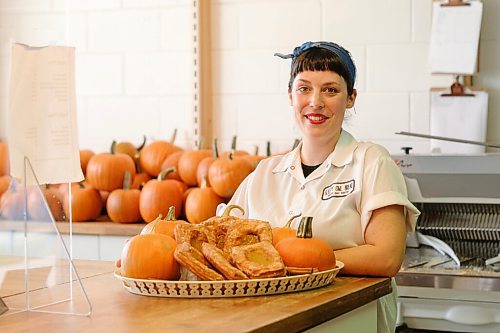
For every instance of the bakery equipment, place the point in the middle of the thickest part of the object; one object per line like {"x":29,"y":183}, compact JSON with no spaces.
{"x":450,"y":278}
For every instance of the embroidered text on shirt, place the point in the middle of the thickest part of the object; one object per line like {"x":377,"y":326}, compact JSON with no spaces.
{"x":338,"y":190}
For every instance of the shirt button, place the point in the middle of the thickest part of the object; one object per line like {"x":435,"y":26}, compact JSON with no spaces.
{"x":302,"y":187}
{"x":292,"y":167}
{"x":290,"y":212}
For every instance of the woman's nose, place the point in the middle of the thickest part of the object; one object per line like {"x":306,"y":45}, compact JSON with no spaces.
{"x":316,"y":100}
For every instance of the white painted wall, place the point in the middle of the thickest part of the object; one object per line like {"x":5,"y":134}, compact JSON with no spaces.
{"x":134,"y":65}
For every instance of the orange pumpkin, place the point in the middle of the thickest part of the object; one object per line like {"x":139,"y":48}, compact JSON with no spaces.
{"x":127,"y":148}
{"x":158,"y":195}
{"x":12,"y":202}
{"x":201,"y":203}
{"x":153,"y":154}
{"x":85,"y":156}
{"x":106,"y":171}
{"x":36,"y":204}
{"x":286,"y":231}
{"x":233,"y":151}
{"x":304,"y":251}
{"x":226,"y":174}
{"x":253,"y":159}
{"x":204,"y":165}
{"x":4,"y":159}
{"x":4,"y":184}
{"x":150,"y":256}
{"x":140,"y":179}
{"x":188,"y":165}
{"x":163,"y":226}
{"x":172,"y":161}
{"x":122,"y":205}
{"x":86,"y":203}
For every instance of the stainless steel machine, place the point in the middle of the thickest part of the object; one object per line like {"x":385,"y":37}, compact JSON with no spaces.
{"x":450,"y":278}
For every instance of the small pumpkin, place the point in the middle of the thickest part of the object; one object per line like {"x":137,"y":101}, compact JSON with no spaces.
{"x":150,"y":256}
{"x":139,"y":180}
{"x":305,"y":251}
{"x":158,"y":195}
{"x":172,"y":161}
{"x":204,"y":165}
{"x":201,"y":203}
{"x":286,"y":231}
{"x":36,"y":204}
{"x":188,"y":165}
{"x":128,"y":148}
{"x":106,"y":171}
{"x":234,"y":151}
{"x":226,"y":174}
{"x":86,"y":203}
{"x":4,"y":184}
{"x":4,"y":159}
{"x":163,"y":226}
{"x":85,"y":156}
{"x":154,"y":153}
{"x":253,"y":159}
{"x":122,"y":205}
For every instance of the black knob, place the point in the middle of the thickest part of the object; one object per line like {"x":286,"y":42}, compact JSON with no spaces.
{"x":406,"y":150}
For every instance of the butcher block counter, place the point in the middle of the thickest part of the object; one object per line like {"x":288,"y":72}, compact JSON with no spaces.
{"x":347,"y":305}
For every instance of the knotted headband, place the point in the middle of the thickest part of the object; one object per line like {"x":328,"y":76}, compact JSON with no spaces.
{"x":342,"y":53}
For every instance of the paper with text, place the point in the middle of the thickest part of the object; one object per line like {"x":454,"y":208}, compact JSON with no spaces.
{"x":41,"y":116}
{"x":455,"y":38}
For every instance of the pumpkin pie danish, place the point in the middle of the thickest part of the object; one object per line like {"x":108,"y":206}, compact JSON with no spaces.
{"x":246,"y":232}
{"x":194,"y":261}
{"x":259,"y":260}
{"x":193,"y":234}
{"x":220,"y":261}
{"x":218,"y":227}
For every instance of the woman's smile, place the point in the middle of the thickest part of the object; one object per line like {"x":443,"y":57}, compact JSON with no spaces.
{"x":316,"y":118}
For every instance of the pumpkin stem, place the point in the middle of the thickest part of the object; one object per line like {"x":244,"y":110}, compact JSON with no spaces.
{"x":155,"y":222}
{"x":215,"y":149}
{"x":289,"y":222}
{"x":203,"y":182}
{"x":230,"y":156}
{"x":174,"y":135}
{"x":305,"y":227}
{"x":256,"y":151}
{"x":230,"y":208}
{"x":268,"y":148}
{"x":233,"y":143}
{"x":142,"y":144}
{"x":113,"y":147}
{"x":171,"y":214}
{"x":163,"y":174}
{"x":295,"y":143}
{"x":127,"y":179}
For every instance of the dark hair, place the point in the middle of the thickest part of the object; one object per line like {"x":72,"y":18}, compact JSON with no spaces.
{"x":319,"y":59}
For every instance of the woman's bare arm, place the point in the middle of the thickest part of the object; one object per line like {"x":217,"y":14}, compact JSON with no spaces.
{"x":384,"y":250}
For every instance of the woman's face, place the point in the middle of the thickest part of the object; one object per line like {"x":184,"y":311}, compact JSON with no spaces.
{"x":319,"y":100}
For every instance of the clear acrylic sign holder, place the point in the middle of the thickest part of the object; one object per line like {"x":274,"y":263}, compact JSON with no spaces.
{"x":39,"y":255}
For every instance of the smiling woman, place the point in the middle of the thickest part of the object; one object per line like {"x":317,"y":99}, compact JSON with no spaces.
{"x":354,"y":191}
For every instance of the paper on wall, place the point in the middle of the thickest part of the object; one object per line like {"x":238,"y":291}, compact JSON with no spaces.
{"x":459,"y":118}
{"x":455,"y":38}
{"x":41,"y":114}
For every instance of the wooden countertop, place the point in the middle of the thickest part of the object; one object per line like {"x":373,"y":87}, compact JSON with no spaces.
{"x":102,"y":226}
{"x":116,"y":310}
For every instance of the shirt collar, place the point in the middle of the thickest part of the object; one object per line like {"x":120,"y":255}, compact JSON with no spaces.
{"x":341,"y":155}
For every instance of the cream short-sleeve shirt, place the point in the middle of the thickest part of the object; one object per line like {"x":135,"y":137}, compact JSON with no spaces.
{"x":340,"y":195}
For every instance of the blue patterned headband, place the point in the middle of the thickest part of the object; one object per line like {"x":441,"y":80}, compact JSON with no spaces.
{"x":342,"y":53}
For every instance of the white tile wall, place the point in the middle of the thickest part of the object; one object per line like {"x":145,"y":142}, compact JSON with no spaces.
{"x":137,"y":55}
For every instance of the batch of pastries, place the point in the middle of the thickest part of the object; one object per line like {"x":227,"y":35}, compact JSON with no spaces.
{"x":223,"y":248}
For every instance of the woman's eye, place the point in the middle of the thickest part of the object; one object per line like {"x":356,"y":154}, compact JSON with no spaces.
{"x":303,"y":89}
{"x":330,"y":90}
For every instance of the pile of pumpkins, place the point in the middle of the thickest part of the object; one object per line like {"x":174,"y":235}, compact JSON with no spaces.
{"x":133,"y":184}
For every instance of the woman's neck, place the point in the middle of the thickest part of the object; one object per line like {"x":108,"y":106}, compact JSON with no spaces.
{"x":315,"y":151}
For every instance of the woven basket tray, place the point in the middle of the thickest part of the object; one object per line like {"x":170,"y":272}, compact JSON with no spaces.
{"x":230,"y":288}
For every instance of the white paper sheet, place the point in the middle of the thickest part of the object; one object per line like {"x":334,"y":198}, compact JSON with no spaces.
{"x":42,"y":114}
{"x":455,"y":38}
{"x":459,"y":118}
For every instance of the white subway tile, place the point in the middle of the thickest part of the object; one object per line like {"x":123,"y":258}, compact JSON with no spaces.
{"x":24,"y":5}
{"x":278,"y":23}
{"x":225,"y":119}
{"x":123,"y":118}
{"x":177,"y":28}
{"x":379,"y":116}
{"x":99,"y":75}
{"x":421,"y":19}
{"x":397,"y":67}
{"x":124,"y":30}
{"x":225,"y":26}
{"x":154,"y":3}
{"x":420,"y":113}
{"x":176,"y":112}
{"x":159,"y":73}
{"x":78,"y":5}
{"x":366,"y":21}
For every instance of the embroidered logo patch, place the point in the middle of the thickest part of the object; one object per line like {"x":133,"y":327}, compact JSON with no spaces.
{"x":338,"y":190}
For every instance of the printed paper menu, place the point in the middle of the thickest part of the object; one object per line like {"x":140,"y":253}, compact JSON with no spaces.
{"x":42,"y":114}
